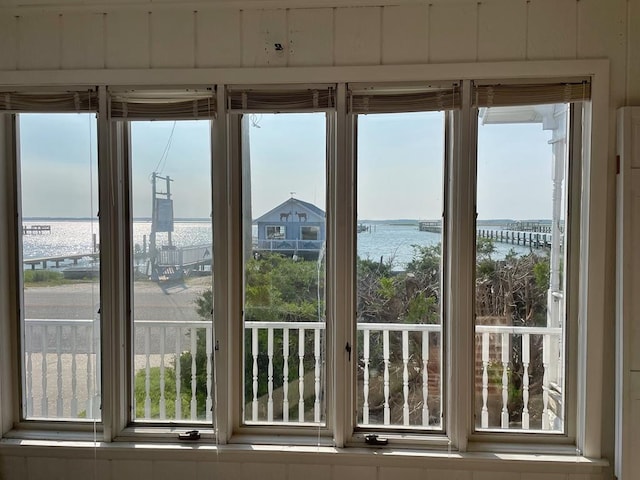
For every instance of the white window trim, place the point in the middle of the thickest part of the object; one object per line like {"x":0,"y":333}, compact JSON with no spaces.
{"x":593,"y":236}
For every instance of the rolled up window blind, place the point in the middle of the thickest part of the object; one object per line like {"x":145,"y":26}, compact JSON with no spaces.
{"x":404,"y":99}
{"x":163,"y":105}
{"x":49,"y":102}
{"x":257,"y":100}
{"x":506,"y":95}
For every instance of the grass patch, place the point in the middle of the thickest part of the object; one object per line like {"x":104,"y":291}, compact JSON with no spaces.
{"x":41,"y":277}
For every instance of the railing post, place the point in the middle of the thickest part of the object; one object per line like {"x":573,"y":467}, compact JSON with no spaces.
{"x":505,"y":380}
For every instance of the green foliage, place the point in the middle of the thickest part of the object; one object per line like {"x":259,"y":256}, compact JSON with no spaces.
{"x":541,"y":272}
{"x":43,"y":276}
{"x":154,"y":393}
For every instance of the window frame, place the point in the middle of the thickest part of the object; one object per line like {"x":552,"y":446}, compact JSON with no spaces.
{"x":590,"y":305}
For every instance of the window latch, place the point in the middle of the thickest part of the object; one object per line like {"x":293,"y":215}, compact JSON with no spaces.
{"x":348,"y":349}
{"x":375,"y":440}
{"x":190,"y":435}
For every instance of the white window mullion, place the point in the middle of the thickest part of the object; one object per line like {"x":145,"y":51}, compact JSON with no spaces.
{"x":341,"y":201}
{"x":221,"y":271}
{"x":113,"y":163}
{"x":459,"y":228}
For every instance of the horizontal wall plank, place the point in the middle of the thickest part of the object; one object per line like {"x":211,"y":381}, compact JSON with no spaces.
{"x":357,"y":36}
{"x":264,"y":38}
{"x":551,"y":29}
{"x":127,"y":40}
{"x":218,"y":40}
{"x":405,"y":34}
{"x":172,"y":38}
{"x":453,"y":32}
{"x":83,"y":40}
{"x":502,"y":30}
{"x":39,"y":41}
{"x":310,"y":37}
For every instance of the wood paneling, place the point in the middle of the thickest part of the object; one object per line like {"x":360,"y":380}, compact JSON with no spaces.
{"x":310,"y":36}
{"x":127,"y":37}
{"x":551,"y":29}
{"x":83,"y":40}
{"x":39,"y":41}
{"x":499,"y":39}
{"x":172,"y":38}
{"x":405,"y":34}
{"x":453,"y":32}
{"x":357,"y":36}
{"x":261,"y":31}
{"x":218,"y":38}
{"x":8,"y":35}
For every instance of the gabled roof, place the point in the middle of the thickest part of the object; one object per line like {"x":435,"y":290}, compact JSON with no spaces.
{"x":291,"y":204}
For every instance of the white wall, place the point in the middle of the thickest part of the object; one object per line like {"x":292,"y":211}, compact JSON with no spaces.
{"x":121,"y":34}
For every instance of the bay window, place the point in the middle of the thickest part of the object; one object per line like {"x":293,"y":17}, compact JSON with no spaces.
{"x":340,"y":264}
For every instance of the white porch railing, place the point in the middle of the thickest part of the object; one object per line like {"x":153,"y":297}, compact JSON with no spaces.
{"x":285,"y":372}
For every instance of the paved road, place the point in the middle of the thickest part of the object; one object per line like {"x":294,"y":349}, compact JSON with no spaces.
{"x":81,"y":300}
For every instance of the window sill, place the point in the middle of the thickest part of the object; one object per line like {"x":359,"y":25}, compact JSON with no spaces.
{"x":202,"y":451}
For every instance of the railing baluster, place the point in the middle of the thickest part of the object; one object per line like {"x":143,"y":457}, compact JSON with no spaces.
{"x":178,"y":401}
{"x":29,"y":345}
{"x":90,"y":387}
{"x":301,"y":374}
{"x":316,"y":354}
{"x":254,"y":354}
{"x":405,"y":377}
{"x":270,"y":375}
{"x":59,"y":400}
{"x":45,"y":397}
{"x":526,"y":359}
{"x":365,"y":389}
{"x":385,"y":358}
{"x":285,"y":374}
{"x":74,"y":372}
{"x":425,"y":378}
{"x":485,"y":379}
{"x":505,"y":380}
{"x":546,"y":344}
{"x":97,"y":386}
{"x":147,"y":369}
{"x":194,"y":383}
{"x":209,"y":351}
{"x":163,"y":403}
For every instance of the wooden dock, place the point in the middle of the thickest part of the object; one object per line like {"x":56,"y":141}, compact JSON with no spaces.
{"x":530,"y":239}
{"x":45,"y":261}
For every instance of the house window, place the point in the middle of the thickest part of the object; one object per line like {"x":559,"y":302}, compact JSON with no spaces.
{"x":310,"y":233}
{"x":60,"y":325}
{"x":275,"y":232}
{"x":400,"y":264}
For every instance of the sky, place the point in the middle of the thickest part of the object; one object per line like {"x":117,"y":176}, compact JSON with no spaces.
{"x":399,"y":165}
